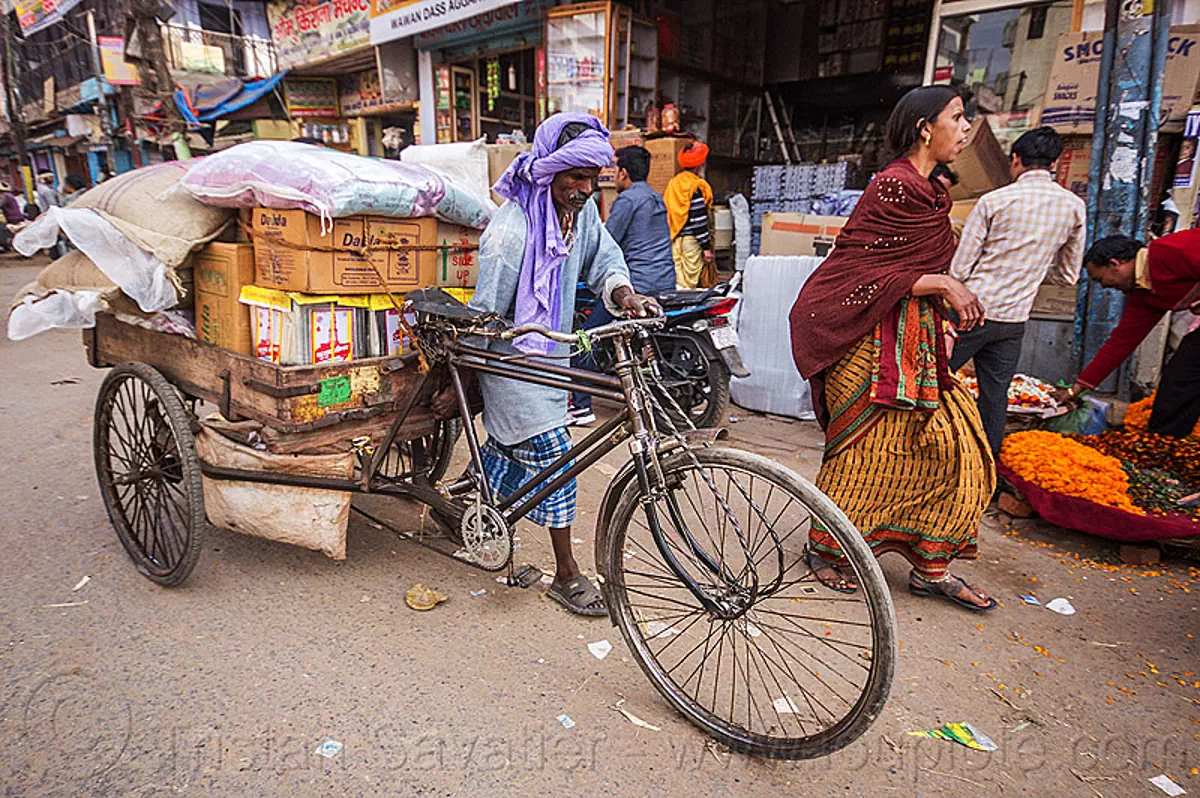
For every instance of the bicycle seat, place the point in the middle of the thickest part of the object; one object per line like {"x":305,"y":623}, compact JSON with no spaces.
{"x":684,"y":297}
{"x":436,"y":302}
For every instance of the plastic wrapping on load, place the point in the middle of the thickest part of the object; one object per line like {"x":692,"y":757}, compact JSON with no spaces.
{"x":330,"y":184}
{"x":463,"y":164}
{"x":768,"y":293}
{"x":142,"y":276}
{"x":314,"y":519}
{"x":742,"y":233}
{"x":64,"y":310}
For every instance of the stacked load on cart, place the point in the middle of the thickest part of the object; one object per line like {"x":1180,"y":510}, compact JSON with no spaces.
{"x":278,"y":235}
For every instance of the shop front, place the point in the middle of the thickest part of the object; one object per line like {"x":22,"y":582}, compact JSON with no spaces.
{"x":488,"y":72}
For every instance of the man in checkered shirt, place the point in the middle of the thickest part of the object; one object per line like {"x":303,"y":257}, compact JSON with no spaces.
{"x":1017,"y":237}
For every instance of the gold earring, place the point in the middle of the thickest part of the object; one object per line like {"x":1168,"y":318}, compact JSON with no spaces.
{"x":927,"y":137}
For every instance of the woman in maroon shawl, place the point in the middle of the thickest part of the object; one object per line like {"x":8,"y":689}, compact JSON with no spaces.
{"x":905,"y":457}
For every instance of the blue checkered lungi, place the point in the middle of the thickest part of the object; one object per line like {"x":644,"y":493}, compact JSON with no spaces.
{"x":509,"y":467}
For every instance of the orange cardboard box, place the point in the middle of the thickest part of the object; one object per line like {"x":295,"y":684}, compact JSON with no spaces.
{"x":359,"y":256}
{"x":220,"y":270}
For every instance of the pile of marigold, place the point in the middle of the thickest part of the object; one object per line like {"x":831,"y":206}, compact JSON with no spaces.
{"x":1137,"y":416}
{"x":1060,"y":465}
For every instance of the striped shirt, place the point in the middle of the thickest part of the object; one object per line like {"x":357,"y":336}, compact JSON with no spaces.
{"x":1017,"y":237}
{"x":697,"y":221}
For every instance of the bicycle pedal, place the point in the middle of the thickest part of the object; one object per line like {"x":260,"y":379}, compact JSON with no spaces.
{"x":525,"y":577}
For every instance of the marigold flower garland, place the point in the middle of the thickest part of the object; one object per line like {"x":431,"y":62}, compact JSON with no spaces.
{"x":1067,"y":467}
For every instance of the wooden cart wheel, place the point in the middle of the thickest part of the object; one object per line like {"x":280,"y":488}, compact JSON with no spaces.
{"x":148,"y":472}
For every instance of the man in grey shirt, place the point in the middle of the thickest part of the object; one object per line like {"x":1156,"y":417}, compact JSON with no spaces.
{"x":638,"y":223}
{"x":526,"y":423}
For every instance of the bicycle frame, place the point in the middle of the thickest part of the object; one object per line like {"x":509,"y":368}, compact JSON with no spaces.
{"x":632,"y":423}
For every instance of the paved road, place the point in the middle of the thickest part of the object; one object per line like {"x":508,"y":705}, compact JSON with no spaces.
{"x":226,"y":685}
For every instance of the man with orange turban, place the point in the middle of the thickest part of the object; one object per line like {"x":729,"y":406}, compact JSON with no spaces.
{"x":688,"y":198}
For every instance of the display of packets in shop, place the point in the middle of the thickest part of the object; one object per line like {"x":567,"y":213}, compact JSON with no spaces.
{"x":292,"y":329}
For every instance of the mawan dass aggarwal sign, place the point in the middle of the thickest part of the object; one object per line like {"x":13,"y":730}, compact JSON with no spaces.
{"x":396,"y":19}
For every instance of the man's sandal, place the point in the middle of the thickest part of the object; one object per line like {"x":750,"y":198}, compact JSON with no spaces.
{"x":580,"y":596}
{"x":818,"y":565}
{"x":951,"y":588}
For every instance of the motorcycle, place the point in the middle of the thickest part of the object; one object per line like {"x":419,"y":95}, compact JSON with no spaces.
{"x":697,"y":348}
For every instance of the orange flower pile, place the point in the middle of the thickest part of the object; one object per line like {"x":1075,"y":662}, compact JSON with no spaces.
{"x":1067,"y":467}
{"x":1137,"y":416}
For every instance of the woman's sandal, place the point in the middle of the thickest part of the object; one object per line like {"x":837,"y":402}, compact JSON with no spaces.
{"x":919,"y":586}
{"x":818,"y":565}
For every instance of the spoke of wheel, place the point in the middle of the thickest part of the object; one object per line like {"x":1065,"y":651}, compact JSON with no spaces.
{"x":171,"y":552}
{"x":816,"y":676}
{"x":831,"y":642}
{"x":783,"y":693}
{"x":832,"y":668}
{"x":863,"y":624}
{"x":653,"y":558}
{"x":688,"y":555}
{"x":678,"y":636}
{"x":672,"y":580}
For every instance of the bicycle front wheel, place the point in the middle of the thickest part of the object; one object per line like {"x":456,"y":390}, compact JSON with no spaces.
{"x":770,"y":662}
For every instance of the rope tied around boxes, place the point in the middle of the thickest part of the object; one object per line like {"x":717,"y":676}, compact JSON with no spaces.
{"x":366,"y":252}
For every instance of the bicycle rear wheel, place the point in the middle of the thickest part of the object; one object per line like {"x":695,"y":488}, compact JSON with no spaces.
{"x":783,"y":667}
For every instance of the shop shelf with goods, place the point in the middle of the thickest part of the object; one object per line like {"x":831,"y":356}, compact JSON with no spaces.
{"x":457,"y":105}
{"x":601,"y":60}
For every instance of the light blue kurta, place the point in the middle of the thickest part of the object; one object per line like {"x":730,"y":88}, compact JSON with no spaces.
{"x":515,"y":411}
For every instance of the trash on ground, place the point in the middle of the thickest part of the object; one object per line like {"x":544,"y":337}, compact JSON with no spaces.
{"x":600,"y":649}
{"x":64,"y":604}
{"x":659,"y":629}
{"x":1167,"y":785}
{"x":477,"y":593}
{"x":1031,"y":600}
{"x":66,"y":381}
{"x":566,"y":721}
{"x":1061,"y":606}
{"x":329,"y":749}
{"x":785,"y":704}
{"x":961,"y":733}
{"x":733,"y":419}
{"x":632,"y":718}
{"x":420,"y":597}
{"x":81,"y":583}
{"x":364,"y":600}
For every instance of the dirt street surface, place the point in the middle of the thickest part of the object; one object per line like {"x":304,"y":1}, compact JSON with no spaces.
{"x":228,"y":684}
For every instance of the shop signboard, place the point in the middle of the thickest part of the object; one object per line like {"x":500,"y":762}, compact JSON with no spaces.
{"x":1185,"y":168}
{"x":311,"y":97}
{"x":117,"y":71}
{"x":361,"y":93}
{"x":313,"y":30}
{"x":34,"y":15}
{"x":1070,"y":105}
{"x":397,"y":19}
{"x":488,"y":25}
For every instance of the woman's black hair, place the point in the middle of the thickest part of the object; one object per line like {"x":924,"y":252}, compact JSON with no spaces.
{"x":75,"y":181}
{"x":921,"y":105}
{"x":941,"y":170}
{"x":1110,"y":248}
{"x":570,"y":131}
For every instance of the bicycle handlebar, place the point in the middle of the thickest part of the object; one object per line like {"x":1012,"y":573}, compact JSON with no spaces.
{"x":610,"y":330}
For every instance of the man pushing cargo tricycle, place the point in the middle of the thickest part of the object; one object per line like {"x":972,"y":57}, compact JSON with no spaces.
{"x":699,"y":549}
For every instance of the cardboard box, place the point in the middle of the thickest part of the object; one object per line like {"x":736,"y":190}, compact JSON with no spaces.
{"x":982,"y":166}
{"x":290,"y":254}
{"x":1074,"y":165}
{"x":458,"y":264}
{"x":219,"y":272}
{"x":664,"y":160}
{"x":1055,"y":301}
{"x":1075,"y":78}
{"x":619,"y":139}
{"x":499,"y":157}
{"x":799,"y":233}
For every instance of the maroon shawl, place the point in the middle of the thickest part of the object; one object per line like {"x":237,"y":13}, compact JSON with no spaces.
{"x":899,"y":232}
